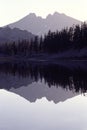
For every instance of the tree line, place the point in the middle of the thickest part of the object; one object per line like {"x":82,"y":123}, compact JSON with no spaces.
{"x":74,"y":37}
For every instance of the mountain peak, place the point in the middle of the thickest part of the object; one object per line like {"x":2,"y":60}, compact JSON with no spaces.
{"x":56,"y":13}
{"x":40,"y":26}
{"x":32,"y":15}
{"x":48,"y":16}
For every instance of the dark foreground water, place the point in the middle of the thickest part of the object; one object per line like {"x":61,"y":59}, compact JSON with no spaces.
{"x":43,"y":97}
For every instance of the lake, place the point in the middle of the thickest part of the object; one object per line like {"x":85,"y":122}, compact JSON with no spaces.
{"x":37,"y":96}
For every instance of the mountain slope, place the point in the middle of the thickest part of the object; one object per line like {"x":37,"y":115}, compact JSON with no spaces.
{"x":38,"y":90}
{"x":39,"y":26}
{"x":9,"y":35}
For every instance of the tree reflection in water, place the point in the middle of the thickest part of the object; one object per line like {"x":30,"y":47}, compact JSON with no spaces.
{"x":72,"y":78}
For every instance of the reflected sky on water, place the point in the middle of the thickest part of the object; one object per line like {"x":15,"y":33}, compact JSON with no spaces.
{"x":17,"y":113}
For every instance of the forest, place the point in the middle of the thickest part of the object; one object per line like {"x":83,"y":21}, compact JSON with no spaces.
{"x":73,"y":38}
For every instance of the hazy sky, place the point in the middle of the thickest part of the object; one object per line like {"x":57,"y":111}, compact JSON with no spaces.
{"x":13,"y":10}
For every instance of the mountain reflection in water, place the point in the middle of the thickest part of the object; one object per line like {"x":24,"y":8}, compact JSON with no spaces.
{"x":71,"y":77}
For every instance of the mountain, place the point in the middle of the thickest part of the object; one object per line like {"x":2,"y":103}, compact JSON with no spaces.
{"x":9,"y":35}
{"x":27,"y":88}
{"x":35,"y":81}
{"x":9,"y":81}
{"x":30,"y":90}
{"x":39,"y":26}
{"x":38,"y":90}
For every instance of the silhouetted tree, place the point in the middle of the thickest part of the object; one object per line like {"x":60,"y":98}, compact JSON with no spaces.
{"x":53,"y":42}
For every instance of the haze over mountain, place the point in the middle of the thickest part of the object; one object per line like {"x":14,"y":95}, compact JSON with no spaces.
{"x":9,"y":35}
{"x":39,"y":26}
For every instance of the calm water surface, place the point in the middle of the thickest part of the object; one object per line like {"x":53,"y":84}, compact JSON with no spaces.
{"x":43,"y":97}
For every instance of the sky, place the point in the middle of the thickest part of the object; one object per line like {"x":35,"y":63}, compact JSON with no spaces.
{"x":13,"y":10}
